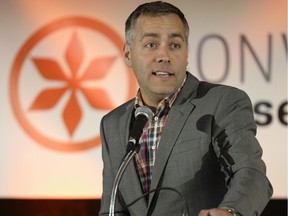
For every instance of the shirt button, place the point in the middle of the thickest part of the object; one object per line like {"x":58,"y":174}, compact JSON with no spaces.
{"x":156,"y":118}
{"x":153,"y":147}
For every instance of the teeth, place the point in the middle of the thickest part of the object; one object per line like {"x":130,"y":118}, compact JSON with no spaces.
{"x":162,"y":74}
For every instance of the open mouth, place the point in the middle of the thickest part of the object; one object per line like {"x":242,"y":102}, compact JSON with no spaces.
{"x":163,"y":74}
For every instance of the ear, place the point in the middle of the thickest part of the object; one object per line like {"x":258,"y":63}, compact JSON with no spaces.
{"x":127,"y":55}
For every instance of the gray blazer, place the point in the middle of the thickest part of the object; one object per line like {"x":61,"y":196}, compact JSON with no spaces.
{"x":208,"y":153}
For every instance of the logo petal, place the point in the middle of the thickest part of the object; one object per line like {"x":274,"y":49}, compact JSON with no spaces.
{"x":72,"y":114}
{"x":98,"y":68}
{"x":74,"y":54}
{"x":98,"y":98}
{"x":49,"y":69}
{"x":47,"y":98}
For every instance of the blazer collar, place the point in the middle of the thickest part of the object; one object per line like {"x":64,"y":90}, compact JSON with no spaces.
{"x":189,"y":89}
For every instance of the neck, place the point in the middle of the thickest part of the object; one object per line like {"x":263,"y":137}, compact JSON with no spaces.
{"x":151,"y":102}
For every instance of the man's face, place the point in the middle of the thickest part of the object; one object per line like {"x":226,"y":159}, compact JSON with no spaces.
{"x":158,"y":56}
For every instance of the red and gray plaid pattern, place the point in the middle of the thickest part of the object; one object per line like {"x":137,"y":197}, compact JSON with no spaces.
{"x":145,"y":159}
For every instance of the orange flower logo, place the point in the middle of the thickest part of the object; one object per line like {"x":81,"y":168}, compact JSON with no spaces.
{"x":51,"y":70}
{"x":73,"y":77}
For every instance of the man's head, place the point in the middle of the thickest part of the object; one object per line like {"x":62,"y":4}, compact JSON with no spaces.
{"x":157,"y":49}
{"x":156,"y":8}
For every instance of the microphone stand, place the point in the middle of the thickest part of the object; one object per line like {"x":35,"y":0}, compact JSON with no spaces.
{"x":119,"y":175}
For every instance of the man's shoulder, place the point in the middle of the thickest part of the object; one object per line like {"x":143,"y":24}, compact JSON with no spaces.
{"x":206,"y":88}
{"x":203,"y":87}
{"x":120,"y":109}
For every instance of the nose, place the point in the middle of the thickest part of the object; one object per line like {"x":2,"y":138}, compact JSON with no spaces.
{"x":163,"y":56}
{"x":163,"y":59}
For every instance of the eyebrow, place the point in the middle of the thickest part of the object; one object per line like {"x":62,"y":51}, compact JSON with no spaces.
{"x":156,"y":35}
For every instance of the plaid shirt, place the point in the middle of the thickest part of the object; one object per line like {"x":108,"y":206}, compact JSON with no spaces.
{"x":149,"y":140}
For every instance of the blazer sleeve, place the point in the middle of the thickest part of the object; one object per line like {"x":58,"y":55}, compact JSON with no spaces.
{"x":240,"y":154}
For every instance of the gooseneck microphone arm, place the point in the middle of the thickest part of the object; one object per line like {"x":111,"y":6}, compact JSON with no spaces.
{"x":142,"y":114}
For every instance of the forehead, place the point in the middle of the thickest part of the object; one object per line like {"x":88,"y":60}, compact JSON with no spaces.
{"x":162,"y":24}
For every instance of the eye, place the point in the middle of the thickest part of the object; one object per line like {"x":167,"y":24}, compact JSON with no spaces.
{"x":151,"y":45}
{"x":175,"y":46}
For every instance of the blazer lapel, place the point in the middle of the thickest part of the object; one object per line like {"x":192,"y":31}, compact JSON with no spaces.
{"x":124,"y":124}
{"x":178,"y":115}
{"x":177,"y":118}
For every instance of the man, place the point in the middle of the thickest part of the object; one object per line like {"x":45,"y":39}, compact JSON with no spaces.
{"x":200,"y":145}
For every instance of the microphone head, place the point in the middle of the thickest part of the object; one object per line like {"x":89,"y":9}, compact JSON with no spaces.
{"x":144,"y":110}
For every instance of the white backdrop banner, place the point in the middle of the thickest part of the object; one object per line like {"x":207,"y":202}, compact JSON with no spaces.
{"x":62,"y":69}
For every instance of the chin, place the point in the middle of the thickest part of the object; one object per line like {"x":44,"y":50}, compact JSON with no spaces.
{"x":165,"y":93}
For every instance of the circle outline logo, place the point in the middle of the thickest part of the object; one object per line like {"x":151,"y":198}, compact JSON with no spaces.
{"x":20,"y":59}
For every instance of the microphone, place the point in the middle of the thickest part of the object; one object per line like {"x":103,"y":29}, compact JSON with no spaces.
{"x":142,"y":115}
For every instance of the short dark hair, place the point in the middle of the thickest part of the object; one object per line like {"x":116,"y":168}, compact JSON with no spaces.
{"x":156,"y":8}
